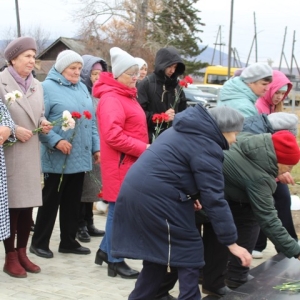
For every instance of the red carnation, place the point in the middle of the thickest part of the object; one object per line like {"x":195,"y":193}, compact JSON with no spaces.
{"x":100,"y":194}
{"x":87,"y":114}
{"x":183,"y":83}
{"x":188,"y":79}
{"x":157,"y":118}
{"x":164,"y":117}
{"x":76,"y":115}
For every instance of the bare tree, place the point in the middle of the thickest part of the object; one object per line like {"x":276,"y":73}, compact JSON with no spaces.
{"x":141,"y":27}
{"x":41,"y":37}
{"x":38,"y":33}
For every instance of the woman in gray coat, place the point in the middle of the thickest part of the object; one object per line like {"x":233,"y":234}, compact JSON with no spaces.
{"x":23,"y":158}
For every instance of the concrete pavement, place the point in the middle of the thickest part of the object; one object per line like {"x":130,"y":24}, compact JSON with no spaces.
{"x":71,"y":276}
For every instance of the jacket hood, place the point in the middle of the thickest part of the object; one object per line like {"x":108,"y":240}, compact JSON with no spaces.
{"x":259,"y":149}
{"x":107,"y":84}
{"x":236,"y":89}
{"x":166,"y":57}
{"x":89,"y":61}
{"x":196,"y":120}
{"x":278,"y":81}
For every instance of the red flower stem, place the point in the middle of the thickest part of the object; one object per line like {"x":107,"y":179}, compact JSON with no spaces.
{"x":177,"y":95}
{"x":62,"y":172}
{"x":54,"y":123}
{"x":65,"y":163}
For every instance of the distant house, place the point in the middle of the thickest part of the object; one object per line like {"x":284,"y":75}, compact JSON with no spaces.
{"x":46,"y":59}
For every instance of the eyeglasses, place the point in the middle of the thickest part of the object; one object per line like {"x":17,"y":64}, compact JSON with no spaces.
{"x":133,"y":74}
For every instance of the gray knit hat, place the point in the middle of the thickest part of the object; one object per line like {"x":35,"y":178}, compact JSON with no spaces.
{"x":284,"y":121}
{"x":18,"y":46}
{"x":66,"y":58}
{"x":227,"y":118}
{"x":121,"y":61}
{"x":256,"y":72}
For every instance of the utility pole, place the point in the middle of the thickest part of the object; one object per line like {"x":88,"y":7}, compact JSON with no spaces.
{"x":292,"y":58}
{"x":255,"y":36}
{"x":250,"y":51}
{"x":238,"y":60}
{"x":282,"y":50}
{"x":18,"y":18}
{"x":230,"y":39}
{"x":218,"y":44}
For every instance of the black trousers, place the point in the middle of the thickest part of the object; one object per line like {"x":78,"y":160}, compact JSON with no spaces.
{"x":86,"y":214}
{"x":68,"y":202}
{"x":152,"y":276}
{"x":248,"y":230}
{"x":215,"y":257}
{"x":282,"y":201}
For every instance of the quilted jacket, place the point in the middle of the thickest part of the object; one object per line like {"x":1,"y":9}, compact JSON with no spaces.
{"x":123,"y":130}
{"x":250,"y":169}
{"x":60,"y":95}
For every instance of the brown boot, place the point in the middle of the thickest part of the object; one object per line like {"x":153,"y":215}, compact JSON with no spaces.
{"x":26,"y":263}
{"x":12,"y":265}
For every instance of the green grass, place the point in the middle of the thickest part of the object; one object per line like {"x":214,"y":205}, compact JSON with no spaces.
{"x":295,"y":189}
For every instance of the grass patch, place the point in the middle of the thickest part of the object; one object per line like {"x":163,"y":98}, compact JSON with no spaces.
{"x":295,"y":189}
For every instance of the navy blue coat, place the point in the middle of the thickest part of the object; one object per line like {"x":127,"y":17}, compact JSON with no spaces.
{"x":154,"y":215}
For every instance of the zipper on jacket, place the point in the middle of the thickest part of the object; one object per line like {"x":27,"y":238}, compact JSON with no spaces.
{"x":162,"y":95}
{"x":169,"y":252}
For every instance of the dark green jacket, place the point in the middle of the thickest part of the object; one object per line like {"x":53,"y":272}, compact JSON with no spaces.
{"x":250,"y":169}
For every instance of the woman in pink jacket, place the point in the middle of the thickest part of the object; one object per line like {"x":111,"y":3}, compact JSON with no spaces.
{"x":124,"y":137}
{"x":271,"y":102}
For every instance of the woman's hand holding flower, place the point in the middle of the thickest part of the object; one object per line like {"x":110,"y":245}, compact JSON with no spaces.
{"x":23,"y":134}
{"x":171,"y":113}
{"x":64,"y":146}
{"x":4,"y":134}
{"x":46,"y":126}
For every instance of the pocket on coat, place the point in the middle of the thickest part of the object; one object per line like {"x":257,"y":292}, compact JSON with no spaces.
{"x":184,"y":197}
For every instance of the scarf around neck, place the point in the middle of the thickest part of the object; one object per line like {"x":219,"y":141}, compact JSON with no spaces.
{"x":24,"y":84}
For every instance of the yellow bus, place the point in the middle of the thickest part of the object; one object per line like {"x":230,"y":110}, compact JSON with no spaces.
{"x":217,"y":74}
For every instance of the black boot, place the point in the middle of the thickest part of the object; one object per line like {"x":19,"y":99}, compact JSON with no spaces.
{"x":236,"y":282}
{"x":93,"y":231}
{"x":122,"y":269}
{"x":82,"y":235}
{"x":101,"y":257}
{"x":221,"y":292}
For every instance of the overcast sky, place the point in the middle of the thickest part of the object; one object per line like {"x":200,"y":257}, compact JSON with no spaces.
{"x":272,"y":16}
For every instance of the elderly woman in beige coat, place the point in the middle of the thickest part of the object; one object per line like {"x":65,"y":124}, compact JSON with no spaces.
{"x":23,"y":96}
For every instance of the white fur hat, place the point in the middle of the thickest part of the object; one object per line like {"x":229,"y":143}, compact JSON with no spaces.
{"x":66,"y":58}
{"x":141,"y":62}
{"x":121,"y":61}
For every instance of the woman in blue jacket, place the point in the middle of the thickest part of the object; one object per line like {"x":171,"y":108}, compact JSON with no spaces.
{"x":154,"y":215}
{"x":241,"y":92}
{"x":61,"y":154}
